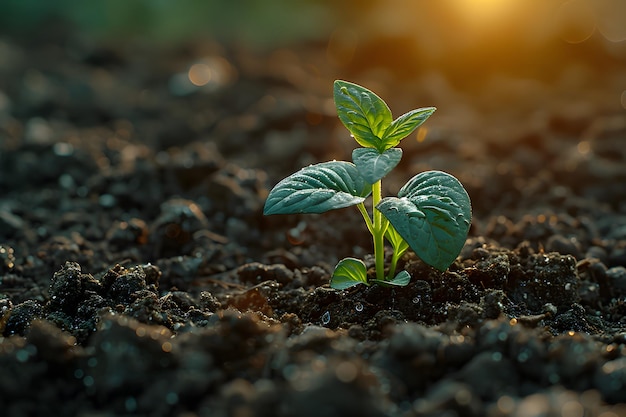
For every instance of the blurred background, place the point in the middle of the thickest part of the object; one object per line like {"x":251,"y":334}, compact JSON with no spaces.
{"x":254,"y":77}
{"x":461,"y":44}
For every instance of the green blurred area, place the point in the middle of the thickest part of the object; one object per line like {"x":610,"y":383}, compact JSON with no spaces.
{"x":255,"y":22}
{"x":465,"y":41}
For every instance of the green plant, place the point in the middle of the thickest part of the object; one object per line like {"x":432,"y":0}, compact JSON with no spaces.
{"x":431,"y":214}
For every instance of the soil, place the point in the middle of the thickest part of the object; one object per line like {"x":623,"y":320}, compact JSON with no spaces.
{"x":138,"y":276}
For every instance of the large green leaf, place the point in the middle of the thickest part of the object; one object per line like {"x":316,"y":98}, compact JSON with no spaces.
{"x":363,"y":113}
{"x":406,"y":124}
{"x":374,"y":165}
{"x":433,"y":214}
{"x":348,"y":273}
{"x":318,"y":188}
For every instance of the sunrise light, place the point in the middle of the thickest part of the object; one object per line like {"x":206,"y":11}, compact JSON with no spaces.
{"x":480,"y":12}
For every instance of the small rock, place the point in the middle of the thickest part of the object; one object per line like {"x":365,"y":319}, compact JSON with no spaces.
{"x":617,"y":279}
{"x":125,"y":234}
{"x":610,"y":380}
{"x":173,"y":230}
{"x":256,"y":272}
{"x":564,"y":246}
{"x":617,"y":255}
{"x":597,"y":252}
{"x":490,"y":374}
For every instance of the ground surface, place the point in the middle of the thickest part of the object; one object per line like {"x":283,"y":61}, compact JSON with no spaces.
{"x":139,"y":277}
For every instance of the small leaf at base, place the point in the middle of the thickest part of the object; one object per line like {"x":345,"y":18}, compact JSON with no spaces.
{"x":348,"y":273}
{"x":401,"y":280}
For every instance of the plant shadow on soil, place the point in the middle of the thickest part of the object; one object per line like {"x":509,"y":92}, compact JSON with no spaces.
{"x":139,"y":277}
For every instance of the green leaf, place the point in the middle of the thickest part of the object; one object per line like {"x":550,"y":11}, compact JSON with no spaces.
{"x":406,"y":124}
{"x":318,"y":188}
{"x":363,"y":113}
{"x":348,"y":273}
{"x":433,"y":214}
{"x":397,"y":242}
{"x":401,"y":280}
{"x":374,"y":165}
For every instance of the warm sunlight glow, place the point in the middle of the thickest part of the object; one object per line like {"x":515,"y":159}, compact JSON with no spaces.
{"x":485,"y":11}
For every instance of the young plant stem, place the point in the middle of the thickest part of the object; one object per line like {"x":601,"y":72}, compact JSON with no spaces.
{"x":394,"y":263}
{"x":378,"y":232}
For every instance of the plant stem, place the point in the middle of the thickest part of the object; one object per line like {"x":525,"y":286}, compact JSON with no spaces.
{"x":378,"y":232}
{"x":394,"y":263}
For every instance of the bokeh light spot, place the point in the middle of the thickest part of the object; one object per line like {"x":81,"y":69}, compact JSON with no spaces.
{"x":583,"y":147}
{"x":506,"y":404}
{"x":421,"y":134}
{"x":346,"y":371}
{"x":572,"y":408}
{"x":575,"y":21}
{"x":611,"y":19}
{"x":200,"y":74}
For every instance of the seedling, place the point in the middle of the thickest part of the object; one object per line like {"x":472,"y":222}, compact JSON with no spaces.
{"x":431,"y":214}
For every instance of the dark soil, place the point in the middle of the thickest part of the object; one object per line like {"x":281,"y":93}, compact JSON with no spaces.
{"x":138,"y":276}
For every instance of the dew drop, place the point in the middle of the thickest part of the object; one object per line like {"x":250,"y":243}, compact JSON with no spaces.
{"x":326,"y":318}
{"x":358,"y":307}
{"x":417,"y":299}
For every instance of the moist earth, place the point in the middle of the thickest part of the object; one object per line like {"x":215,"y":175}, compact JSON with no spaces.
{"x":139,"y":277}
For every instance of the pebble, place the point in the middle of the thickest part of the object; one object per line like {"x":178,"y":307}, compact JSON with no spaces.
{"x":610,"y":380}
{"x":256,"y":272}
{"x":617,"y":279}
{"x":564,"y":245}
